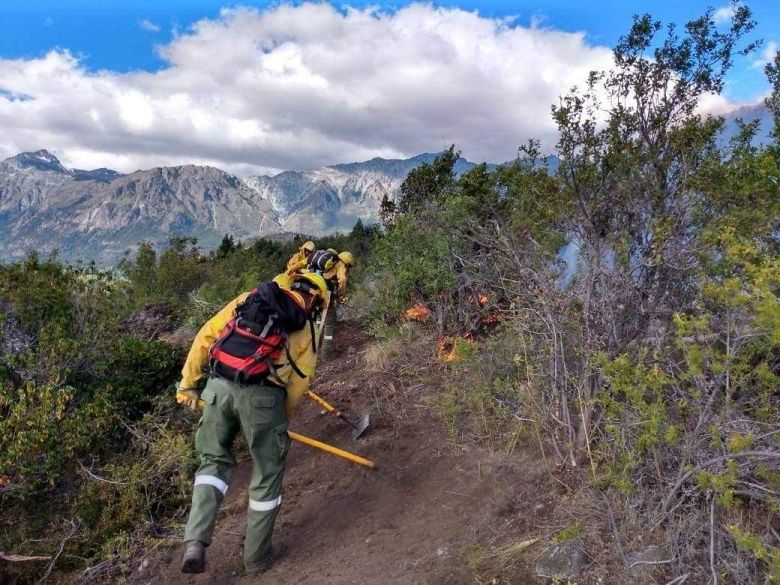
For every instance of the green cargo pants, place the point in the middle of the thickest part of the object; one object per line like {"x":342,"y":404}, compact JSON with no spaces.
{"x":258,"y":411}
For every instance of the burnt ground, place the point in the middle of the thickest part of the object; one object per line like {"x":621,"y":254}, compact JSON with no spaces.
{"x":432,"y":513}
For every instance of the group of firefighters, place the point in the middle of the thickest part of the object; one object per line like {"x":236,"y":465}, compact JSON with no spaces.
{"x":314,"y":282}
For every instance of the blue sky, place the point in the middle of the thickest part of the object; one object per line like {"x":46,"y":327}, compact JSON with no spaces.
{"x":109,"y":34}
{"x":257,"y":87}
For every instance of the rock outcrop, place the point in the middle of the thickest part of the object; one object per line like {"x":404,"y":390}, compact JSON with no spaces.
{"x":97,"y":215}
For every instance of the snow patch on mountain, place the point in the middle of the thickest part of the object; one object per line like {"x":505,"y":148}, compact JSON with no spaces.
{"x":333,"y":198}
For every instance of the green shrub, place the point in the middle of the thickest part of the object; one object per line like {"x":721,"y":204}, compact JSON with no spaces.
{"x":41,"y":433}
{"x":148,"y":482}
{"x":137,"y":371}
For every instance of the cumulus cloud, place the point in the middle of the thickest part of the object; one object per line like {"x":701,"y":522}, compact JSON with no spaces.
{"x":149,"y":26}
{"x":296,"y":87}
{"x":723,"y":15}
{"x":767,"y":55}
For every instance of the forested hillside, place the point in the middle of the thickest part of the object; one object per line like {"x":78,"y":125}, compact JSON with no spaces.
{"x":615,"y":320}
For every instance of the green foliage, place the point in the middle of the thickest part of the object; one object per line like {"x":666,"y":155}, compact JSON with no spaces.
{"x":150,"y":480}
{"x":531,"y":202}
{"x":35,"y":441}
{"x":657,"y":364}
{"x":137,"y":371}
{"x":772,"y":70}
{"x":429,"y":183}
{"x":167,"y":278}
{"x":226,"y":247}
{"x":178,"y":269}
{"x":571,"y":532}
{"x":412,"y":264}
{"x":44,"y":428}
{"x":635,"y":182}
{"x":636,"y":393}
{"x":195,"y":285}
{"x":437,"y":234}
{"x":142,"y":270}
{"x":69,"y":395}
{"x":40,"y":292}
{"x":752,"y":543}
{"x":387,"y":211}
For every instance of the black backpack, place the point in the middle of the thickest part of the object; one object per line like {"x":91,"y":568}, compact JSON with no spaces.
{"x":256,"y":337}
{"x":269,"y":303}
{"x":322,"y":261}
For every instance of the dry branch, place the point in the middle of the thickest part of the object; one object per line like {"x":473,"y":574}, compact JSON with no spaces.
{"x":22,"y":558}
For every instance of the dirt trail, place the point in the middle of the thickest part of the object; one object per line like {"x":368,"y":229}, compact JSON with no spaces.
{"x":422,"y":518}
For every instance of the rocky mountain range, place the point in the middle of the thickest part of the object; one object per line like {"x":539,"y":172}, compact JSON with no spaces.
{"x":99,"y":214}
{"x":333,"y":198}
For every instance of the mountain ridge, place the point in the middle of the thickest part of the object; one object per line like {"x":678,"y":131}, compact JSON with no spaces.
{"x":99,"y":214}
{"x":334,"y":197}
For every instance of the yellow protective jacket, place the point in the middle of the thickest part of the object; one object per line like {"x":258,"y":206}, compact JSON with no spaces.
{"x":296,"y":262}
{"x":299,"y":343}
{"x":338,"y":275}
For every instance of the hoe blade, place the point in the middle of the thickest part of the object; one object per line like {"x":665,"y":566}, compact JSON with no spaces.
{"x":360,"y":426}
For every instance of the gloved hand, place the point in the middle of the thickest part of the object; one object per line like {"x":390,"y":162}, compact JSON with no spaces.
{"x":189,"y":398}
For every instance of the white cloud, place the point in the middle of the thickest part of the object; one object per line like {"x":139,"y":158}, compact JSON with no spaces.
{"x":767,"y":55}
{"x":302,"y":86}
{"x":723,"y":15}
{"x":720,"y":105}
{"x":149,"y":26}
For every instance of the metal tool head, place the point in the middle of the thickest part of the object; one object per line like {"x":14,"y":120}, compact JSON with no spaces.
{"x":360,"y":426}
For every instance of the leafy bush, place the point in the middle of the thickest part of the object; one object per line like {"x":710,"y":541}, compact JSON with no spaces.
{"x":73,"y":378}
{"x":148,"y":482}
{"x":650,"y":361}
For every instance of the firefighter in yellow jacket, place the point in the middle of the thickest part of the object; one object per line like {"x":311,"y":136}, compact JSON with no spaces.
{"x":337,"y":277}
{"x":260,"y":410}
{"x":338,"y":274}
{"x":298,"y":260}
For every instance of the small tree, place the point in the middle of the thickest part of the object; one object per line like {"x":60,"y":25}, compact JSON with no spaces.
{"x":142,"y":271}
{"x":226,"y":247}
{"x":429,"y":182}
{"x":773,"y":100}
{"x":387,"y":212}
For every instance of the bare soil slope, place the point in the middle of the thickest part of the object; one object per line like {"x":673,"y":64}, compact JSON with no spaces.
{"x":430,"y":514}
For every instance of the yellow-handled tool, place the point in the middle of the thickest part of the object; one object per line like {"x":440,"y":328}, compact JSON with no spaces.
{"x":332,"y":450}
{"x":359,"y":427}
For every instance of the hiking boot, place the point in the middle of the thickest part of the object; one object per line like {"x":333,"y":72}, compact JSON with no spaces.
{"x":194,"y":559}
{"x":277,"y":552}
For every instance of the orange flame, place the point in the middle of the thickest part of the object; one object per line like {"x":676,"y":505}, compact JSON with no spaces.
{"x":480,"y":299}
{"x":418,"y":312}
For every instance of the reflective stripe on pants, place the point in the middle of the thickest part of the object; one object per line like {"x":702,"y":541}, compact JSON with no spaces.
{"x":258,"y":411}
